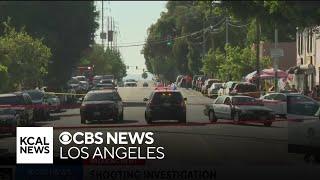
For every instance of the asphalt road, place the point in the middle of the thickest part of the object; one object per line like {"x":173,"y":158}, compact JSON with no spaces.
{"x":196,"y":143}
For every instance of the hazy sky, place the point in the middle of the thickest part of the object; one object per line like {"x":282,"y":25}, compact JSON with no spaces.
{"x":133,"y":19}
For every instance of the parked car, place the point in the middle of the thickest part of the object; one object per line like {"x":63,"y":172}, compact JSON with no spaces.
{"x":291,"y":105}
{"x":207,"y":84}
{"x":145,"y":84}
{"x":53,"y":102}
{"x":165,"y":104}
{"x":304,"y":137}
{"x":74,"y":84}
{"x":213,"y":90}
{"x":83,"y":82}
{"x":41,"y":110}
{"x":9,"y":120}
{"x":101,"y":105}
{"x":239,"y":108}
{"x":246,"y":89}
{"x":96,"y":79}
{"x":21,"y":103}
{"x":227,"y":88}
{"x":101,"y":86}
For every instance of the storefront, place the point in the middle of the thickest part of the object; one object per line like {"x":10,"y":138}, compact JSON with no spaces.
{"x":304,"y":76}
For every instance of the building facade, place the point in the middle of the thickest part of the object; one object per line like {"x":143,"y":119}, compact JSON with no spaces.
{"x":306,"y":71}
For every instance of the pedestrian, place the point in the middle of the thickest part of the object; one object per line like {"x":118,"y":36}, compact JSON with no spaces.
{"x":313,"y":93}
{"x":293,"y":88}
{"x":173,"y":86}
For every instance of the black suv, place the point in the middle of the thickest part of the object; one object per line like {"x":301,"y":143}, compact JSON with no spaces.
{"x":101,"y":105}
{"x":165,"y":104}
{"x":21,"y":103}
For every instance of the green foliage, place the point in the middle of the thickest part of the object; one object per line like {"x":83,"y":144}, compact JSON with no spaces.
{"x":105,"y":61}
{"x":67,"y":28}
{"x":25,"y":61}
{"x":184,"y":18}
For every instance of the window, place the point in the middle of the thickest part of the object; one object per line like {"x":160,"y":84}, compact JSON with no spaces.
{"x":220,"y":100}
{"x":227,"y":101}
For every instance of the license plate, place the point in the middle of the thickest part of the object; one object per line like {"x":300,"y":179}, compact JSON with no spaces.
{"x":96,"y":113}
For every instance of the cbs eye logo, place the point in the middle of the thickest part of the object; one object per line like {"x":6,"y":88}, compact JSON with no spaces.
{"x":65,"y":138}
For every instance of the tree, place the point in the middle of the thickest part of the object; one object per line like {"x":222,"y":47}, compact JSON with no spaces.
{"x":25,"y":61}
{"x":67,"y":28}
{"x":105,"y":61}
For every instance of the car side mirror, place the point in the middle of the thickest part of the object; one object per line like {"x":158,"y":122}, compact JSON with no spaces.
{"x":145,"y":99}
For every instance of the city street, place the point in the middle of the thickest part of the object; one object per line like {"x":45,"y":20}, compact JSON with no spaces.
{"x":200,"y":142}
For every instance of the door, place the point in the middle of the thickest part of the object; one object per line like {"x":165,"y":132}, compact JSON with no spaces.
{"x":271,"y":101}
{"x":217,"y":106}
{"x":226,"y":109}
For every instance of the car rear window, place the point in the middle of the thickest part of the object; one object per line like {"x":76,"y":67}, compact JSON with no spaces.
{"x":246,"y":88}
{"x":11,"y":100}
{"x":244,"y":101}
{"x":167,"y":97}
{"x":300,"y":105}
{"x":109,"y":96}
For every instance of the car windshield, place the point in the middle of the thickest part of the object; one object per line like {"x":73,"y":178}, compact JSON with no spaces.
{"x":300,"y":105}
{"x":217,"y":86}
{"x":167,"y":97}
{"x":11,"y":100}
{"x":35,"y":95}
{"x":244,"y":101}
{"x":108,"y":96}
{"x":246,"y":88}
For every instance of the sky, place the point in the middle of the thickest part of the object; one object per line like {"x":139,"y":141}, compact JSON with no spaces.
{"x":133,"y":19}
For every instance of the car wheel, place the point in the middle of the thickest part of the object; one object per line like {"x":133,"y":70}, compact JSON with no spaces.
{"x":236,"y":118}
{"x":283,"y":116}
{"x":148,"y":119}
{"x":183,"y":119}
{"x":267,"y":124}
{"x":212,"y":116}
{"x":83,"y":120}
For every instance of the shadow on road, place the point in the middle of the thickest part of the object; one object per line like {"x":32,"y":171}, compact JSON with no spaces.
{"x":112,"y":122}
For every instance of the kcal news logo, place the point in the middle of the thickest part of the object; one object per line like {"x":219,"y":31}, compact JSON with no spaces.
{"x":34,"y":145}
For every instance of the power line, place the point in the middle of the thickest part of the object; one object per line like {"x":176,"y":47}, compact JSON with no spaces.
{"x":133,"y":44}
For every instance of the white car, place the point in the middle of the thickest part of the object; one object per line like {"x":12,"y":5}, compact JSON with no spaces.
{"x":84,"y":84}
{"x":227,"y":88}
{"x":304,"y":137}
{"x":213,"y":90}
{"x":291,"y":105}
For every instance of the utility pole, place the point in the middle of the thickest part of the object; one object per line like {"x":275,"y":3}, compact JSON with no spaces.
{"x":203,"y":39}
{"x":276,"y":60}
{"x":258,"y":52}
{"x":227,"y":31}
{"x":102,"y":22}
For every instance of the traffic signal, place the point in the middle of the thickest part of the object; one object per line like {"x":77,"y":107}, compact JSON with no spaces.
{"x":169,"y":40}
{"x":136,"y":67}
